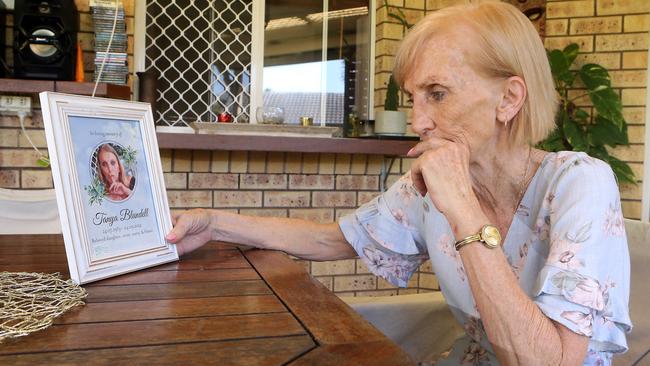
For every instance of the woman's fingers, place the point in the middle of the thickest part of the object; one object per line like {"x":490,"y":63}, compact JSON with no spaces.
{"x":442,"y":169}
{"x":190,"y":231}
{"x":116,"y":187}
{"x":432,"y":143}
{"x":417,"y":178}
{"x":422,"y":146}
{"x":175,"y":215}
{"x":181,"y":227}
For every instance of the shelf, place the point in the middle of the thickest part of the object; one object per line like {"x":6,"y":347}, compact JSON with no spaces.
{"x":72,"y":87}
{"x":188,"y":141}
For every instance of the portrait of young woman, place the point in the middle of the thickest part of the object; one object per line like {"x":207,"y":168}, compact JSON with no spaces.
{"x":110,"y":169}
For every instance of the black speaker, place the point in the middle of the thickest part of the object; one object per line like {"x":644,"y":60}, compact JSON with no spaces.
{"x":45,"y":38}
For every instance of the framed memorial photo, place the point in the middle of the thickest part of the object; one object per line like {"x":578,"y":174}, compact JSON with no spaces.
{"x":109,"y":185}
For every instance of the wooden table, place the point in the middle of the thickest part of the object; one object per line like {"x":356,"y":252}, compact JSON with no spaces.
{"x":219,"y":305}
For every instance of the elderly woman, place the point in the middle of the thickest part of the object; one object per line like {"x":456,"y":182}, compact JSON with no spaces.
{"x":117,"y":184}
{"x":555,"y":290}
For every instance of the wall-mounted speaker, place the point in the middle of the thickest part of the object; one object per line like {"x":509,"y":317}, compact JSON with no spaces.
{"x":45,"y":38}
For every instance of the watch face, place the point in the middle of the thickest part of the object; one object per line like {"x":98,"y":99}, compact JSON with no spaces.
{"x":491,"y":236}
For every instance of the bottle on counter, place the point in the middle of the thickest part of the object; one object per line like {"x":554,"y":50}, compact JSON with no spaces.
{"x":353,"y":126}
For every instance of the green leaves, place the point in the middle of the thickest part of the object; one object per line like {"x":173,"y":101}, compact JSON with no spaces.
{"x":560,"y":61}
{"x":622,"y":171}
{"x":399,"y":16}
{"x":96,"y":191}
{"x":604,"y":98}
{"x":571,"y":52}
{"x":128,"y":154}
{"x":594,"y":76}
{"x":574,"y":135}
{"x":392,"y":95}
{"x":43,"y":161}
{"x":604,"y":132}
{"x":576,"y":129}
{"x":554,"y":141}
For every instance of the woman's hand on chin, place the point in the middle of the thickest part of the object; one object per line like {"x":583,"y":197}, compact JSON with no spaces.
{"x":442,"y":169}
{"x":191,"y":230}
{"x":119,"y":189}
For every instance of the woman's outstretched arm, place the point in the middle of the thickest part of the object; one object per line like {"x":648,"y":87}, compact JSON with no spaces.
{"x":301,"y":238}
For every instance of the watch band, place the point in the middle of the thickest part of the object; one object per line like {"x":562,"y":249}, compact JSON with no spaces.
{"x":470,"y":239}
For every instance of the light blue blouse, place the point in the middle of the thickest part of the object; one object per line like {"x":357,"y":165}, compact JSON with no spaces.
{"x":566,"y":245}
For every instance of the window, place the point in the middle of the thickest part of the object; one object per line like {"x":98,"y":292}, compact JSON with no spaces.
{"x":201,"y":49}
{"x":313,"y":58}
{"x":316,"y":57}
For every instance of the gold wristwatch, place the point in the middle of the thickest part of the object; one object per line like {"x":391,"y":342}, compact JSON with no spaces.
{"x":489,"y":236}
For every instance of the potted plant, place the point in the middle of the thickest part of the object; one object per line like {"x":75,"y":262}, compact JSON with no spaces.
{"x":576,"y":129}
{"x":391,"y":121}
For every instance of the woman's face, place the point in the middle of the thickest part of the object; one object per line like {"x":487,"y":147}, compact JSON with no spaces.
{"x":450,"y":99}
{"x":110,"y":166}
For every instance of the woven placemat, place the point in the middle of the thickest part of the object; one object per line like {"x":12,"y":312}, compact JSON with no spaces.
{"x":31,"y":301}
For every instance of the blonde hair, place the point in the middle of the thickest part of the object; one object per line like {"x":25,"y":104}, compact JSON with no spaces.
{"x":507,"y":45}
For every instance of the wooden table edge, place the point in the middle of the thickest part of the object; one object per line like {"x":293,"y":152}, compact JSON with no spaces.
{"x":301,"y":293}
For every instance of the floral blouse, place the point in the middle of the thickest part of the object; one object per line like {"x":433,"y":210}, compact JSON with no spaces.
{"x":566,"y":245}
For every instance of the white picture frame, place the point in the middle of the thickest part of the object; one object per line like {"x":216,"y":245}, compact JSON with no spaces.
{"x":109,"y":185}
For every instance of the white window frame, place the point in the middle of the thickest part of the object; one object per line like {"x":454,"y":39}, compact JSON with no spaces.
{"x":257,"y":54}
{"x":257,"y":59}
